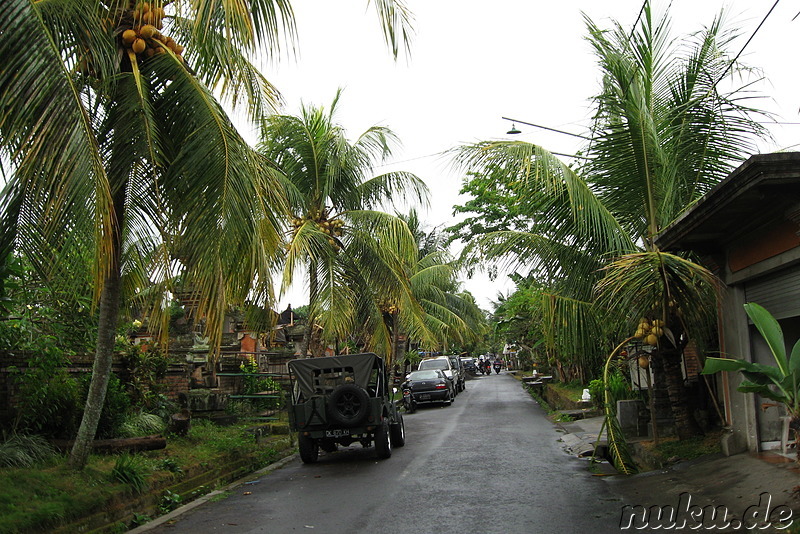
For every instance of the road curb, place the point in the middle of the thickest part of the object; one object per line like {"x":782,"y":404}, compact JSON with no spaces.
{"x":208,"y":496}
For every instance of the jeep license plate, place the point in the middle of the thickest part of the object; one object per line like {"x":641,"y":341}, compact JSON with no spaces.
{"x":338,"y":433}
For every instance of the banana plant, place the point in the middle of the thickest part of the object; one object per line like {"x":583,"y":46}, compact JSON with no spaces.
{"x":778,"y":383}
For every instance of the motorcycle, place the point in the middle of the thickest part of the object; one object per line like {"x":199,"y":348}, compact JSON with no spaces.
{"x":408,"y":399}
{"x":497,"y":367}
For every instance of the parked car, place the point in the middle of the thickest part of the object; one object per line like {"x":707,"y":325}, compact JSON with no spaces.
{"x":443,"y":364}
{"x":339,"y":400}
{"x":469,"y":366}
{"x":459,"y":371}
{"x":428,"y":386}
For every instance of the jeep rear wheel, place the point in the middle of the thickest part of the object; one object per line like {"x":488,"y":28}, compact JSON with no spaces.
{"x":383,"y":441}
{"x":348,"y":405}
{"x":309,"y":449}
{"x":398,"y":432}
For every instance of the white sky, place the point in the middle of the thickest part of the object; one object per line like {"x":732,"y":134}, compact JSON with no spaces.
{"x":474,"y":62}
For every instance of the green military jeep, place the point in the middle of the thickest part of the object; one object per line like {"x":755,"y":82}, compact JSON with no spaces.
{"x":339,"y":400}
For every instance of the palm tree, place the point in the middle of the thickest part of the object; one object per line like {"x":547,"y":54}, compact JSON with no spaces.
{"x":355,"y":256}
{"x":663,"y":134}
{"x":117,"y":151}
{"x":451,"y":316}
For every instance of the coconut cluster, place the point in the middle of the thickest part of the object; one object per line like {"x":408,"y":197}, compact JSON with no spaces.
{"x":332,"y":227}
{"x":649,"y":331}
{"x":386,"y":307}
{"x":142,"y":34}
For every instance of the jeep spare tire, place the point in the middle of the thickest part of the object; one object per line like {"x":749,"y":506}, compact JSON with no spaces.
{"x":348,"y":405}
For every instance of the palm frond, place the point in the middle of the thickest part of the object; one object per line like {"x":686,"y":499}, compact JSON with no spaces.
{"x":554,"y":184}
{"x":396,"y":20}
{"x":657,"y":283}
{"x":46,"y":131}
{"x":229,"y":232}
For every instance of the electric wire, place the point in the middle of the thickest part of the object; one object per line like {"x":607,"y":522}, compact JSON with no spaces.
{"x":745,"y":44}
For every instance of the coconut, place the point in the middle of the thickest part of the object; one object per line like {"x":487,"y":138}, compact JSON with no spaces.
{"x":138,"y":46}
{"x":651,"y":339}
{"x":128,"y":37}
{"x":644,"y":362}
{"x":147,"y":31}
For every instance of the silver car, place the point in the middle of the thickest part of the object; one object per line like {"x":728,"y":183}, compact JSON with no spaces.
{"x":443,"y":364}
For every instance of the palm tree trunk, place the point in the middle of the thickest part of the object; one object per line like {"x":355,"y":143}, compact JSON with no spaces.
{"x":104,"y":352}
{"x":313,"y":284}
{"x":101,"y":370}
{"x":393,"y":356}
{"x":685,"y":425}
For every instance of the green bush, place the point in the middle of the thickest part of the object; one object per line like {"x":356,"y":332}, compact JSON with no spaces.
{"x":49,"y":400}
{"x":21,"y":450}
{"x":253,"y":383}
{"x":115,"y":408}
{"x":141,"y":424}
{"x":618,"y":385}
{"x":169,"y":501}
{"x":171,"y":465}
{"x":143,"y":370}
{"x":221,"y":440}
{"x":131,"y":470}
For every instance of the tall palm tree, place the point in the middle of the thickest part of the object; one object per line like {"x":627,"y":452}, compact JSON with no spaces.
{"x":352,"y":253}
{"x":115,"y":149}
{"x":451,"y":316}
{"x":664,"y":132}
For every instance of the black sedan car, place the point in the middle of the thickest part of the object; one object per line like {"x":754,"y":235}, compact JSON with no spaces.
{"x":427,"y":386}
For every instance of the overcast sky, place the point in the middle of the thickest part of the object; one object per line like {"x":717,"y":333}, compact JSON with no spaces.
{"x":474,"y":62}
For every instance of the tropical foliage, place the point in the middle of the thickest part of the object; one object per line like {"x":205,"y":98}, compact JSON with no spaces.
{"x":663,"y":133}
{"x":124,"y":170}
{"x":780,"y":383}
{"x":356,"y":257}
{"x":452,"y":319}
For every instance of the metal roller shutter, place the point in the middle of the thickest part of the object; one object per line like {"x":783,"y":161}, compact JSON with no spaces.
{"x":779,"y":293}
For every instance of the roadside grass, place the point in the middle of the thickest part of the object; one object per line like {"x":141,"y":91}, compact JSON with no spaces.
{"x":39,"y":497}
{"x":553,"y":414}
{"x":571,"y":390}
{"x":670,"y":450}
{"x":47,"y":494}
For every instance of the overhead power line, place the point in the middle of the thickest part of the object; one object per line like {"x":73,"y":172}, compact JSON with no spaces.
{"x":546,"y":128}
{"x":747,"y":43}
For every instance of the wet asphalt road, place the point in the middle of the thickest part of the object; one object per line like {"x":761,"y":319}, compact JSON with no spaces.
{"x":490,"y":463}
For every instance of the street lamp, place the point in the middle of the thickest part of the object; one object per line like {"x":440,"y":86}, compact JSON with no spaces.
{"x":514,"y":130}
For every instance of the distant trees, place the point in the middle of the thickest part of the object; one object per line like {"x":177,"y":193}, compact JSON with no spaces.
{"x":664,"y":132}
{"x":356,"y":257}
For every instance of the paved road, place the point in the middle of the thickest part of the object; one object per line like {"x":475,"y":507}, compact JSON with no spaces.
{"x":490,"y":463}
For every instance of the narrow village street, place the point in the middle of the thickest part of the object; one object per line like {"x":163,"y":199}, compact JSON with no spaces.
{"x":490,"y":463}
